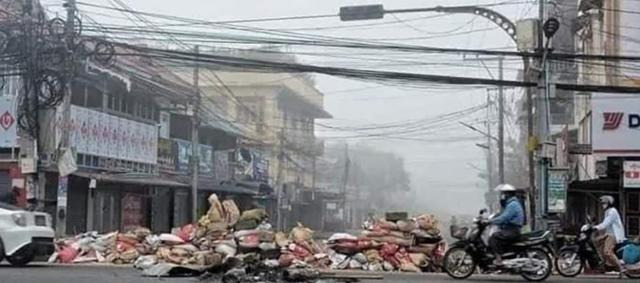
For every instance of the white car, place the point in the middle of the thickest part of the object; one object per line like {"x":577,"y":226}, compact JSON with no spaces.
{"x":24,"y":235}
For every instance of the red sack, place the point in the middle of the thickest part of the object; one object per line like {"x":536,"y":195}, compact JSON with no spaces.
{"x":67,"y":254}
{"x":389,"y":250}
{"x":299,"y":252}
{"x":187,"y":232}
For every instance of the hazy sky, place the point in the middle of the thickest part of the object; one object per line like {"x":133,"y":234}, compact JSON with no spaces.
{"x":440,"y":170}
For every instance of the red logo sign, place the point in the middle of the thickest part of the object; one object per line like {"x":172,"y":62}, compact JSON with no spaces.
{"x":6,"y":120}
{"x":612,"y":120}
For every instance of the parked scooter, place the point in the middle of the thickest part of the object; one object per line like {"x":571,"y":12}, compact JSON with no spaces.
{"x":572,"y":258}
{"x":529,"y":257}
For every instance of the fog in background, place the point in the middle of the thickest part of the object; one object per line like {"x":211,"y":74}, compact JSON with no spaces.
{"x":445,"y":163}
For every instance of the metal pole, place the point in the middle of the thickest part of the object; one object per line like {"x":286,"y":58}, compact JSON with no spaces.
{"x":195,"y":141}
{"x":530,"y":134}
{"x":501,"y":122}
{"x":489,"y":147}
{"x":61,"y":204}
{"x":542,"y":115}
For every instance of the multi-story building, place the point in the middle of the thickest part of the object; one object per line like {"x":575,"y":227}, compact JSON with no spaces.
{"x":605,"y":121}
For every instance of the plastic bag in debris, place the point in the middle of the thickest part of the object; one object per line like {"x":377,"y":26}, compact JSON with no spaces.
{"x":375,"y":267}
{"x":244,"y":233}
{"x":341,"y":236}
{"x":171,"y":239}
{"x":387,"y":266}
{"x":631,"y":254}
{"x":257,"y":214}
{"x":273,"y":263}
{"x":226,"y":248}
{"x":360,"y":257}
{"x":145,"y":262}
{"x":153,"y":241}
{"x":187,"y":247}
{"x":128,"y":239}
{"x":354,"y":264}
{"x":232,"y":213}
{"x":301,"y":234}
{"x":346,"y":247}
{"x":265,"y":226}
{"x":338,"y":261}
{"x":267,"y":246}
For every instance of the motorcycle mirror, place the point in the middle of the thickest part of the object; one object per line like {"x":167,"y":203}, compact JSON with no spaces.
{"x":483,"y":211}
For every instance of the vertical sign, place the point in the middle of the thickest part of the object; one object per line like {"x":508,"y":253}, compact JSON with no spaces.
{"x":631,"y":174}
{"x":8,"y":136}
{"x":63,"y":183}
{"x":557,"y":180}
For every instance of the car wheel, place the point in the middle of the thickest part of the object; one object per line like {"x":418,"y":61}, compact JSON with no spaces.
{"x":22,"y":257}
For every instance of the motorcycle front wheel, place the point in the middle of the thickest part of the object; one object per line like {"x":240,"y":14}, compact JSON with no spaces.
{"x":458,"y":263}
{"x":547,"y":265}
{"x":568,"y":263}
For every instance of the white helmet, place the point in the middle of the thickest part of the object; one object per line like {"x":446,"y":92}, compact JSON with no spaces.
{"x":503,"y":188}
{"x":607,"y":199}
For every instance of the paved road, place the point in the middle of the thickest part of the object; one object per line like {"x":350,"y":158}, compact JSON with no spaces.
{"x":97,"y":274}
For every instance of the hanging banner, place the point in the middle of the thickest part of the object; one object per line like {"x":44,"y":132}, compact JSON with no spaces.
{"x":557,"y":182}
{"x":206,"y":160}
{"x":100,"y":134}
{"x":631,"y":174}
{"x":8,"y":136}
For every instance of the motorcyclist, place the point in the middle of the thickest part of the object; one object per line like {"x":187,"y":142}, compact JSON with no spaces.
{"x":614,"y":237}
{"x":510,"y":222}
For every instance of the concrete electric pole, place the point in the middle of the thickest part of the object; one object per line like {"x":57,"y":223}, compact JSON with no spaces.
{"x":195,"y":141}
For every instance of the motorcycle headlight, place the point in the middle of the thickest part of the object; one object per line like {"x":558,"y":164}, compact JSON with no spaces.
{"x":20,"y":219}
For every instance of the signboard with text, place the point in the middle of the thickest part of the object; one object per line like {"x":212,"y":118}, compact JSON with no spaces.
{"x":631,"y":174}
{"x":8,"y":133}
{"x":615,"y":127}
{"x":100,"y":134}
{"x":557,"y":182}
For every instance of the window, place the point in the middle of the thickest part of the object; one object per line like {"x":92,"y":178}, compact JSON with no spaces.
{"x":633,"y":203}
{"x":94,"y":97}
{"x":633,"y":226}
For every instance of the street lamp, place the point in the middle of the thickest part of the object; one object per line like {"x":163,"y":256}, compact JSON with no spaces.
{"x":370,"y":12}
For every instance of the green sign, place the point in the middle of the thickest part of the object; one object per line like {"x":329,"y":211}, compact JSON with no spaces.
{"x":557,"y":182}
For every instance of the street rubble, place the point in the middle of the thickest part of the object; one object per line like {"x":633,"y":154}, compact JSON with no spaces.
{"x":243,"y":247}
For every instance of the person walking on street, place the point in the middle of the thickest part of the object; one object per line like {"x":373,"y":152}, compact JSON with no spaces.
{"x":614,"y":235}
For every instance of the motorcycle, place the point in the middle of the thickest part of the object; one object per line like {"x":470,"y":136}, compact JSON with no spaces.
{"x":572,"y":258}
{"x":529,"y":256}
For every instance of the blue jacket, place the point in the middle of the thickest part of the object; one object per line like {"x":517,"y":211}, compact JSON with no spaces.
{"x":512,"y":216}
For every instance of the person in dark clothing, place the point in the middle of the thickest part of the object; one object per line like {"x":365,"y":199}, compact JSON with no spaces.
{"x":11,"y":197}
{"x":510,"y":222}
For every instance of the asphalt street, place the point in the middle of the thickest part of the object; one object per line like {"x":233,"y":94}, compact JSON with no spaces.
{"x":102,"y":274}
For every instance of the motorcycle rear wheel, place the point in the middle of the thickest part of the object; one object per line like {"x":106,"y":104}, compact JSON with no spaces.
{"x":458,"y":263}
{"x":540,"y":254}
{"x":571,"y":270}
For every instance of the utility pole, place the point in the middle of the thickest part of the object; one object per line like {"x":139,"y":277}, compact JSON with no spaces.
{"x":500,"y":122}
{"x":279,"y":183}
{"x":195,"y":141}
{"x":489,"y":146}
{"x":65,"y":145}
{"x":345,"y":181}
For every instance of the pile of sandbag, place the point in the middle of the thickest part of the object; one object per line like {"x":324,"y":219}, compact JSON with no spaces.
{"x":300,"y":249}
{"x":392,"y":243}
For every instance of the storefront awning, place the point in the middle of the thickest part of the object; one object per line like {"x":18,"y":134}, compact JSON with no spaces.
{"x":143,"y":180}
{"x":606,"y":185}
